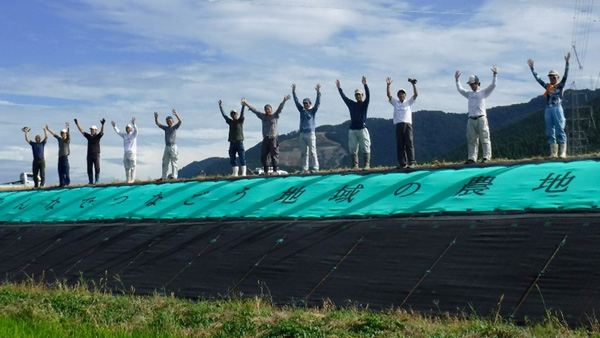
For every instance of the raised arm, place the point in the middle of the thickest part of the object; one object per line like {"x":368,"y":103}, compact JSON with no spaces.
{"x":246,"y":104}
{"x":296,"y":102}
{"x":566,"y":73}
{"x":156,"y":120}
{"x":79,"y":127}
{"x":114,"y":124}
{"x":460,"y":88}
{"x":280,"y":108}
{"x":222,"y":112}
{"x":388,"y":81}
{"x":531,"y":63}
{"x":318,"y":100}
{"x":102,"y":122}
{"x":414,"y":85}
{"x":178,"y":118}
{"x":26,"y":130}
{"x":487,"y":91}
{"x":134,"y":127}
{"x":45,"y":134}
{"x":367,"y":91}
{"x":50,"y":131}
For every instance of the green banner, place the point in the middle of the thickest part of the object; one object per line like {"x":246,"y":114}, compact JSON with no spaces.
{"x":550,"y":185}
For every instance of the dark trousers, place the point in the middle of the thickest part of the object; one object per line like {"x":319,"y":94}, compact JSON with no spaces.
{"x":93,"y":166}
{"x":404,"y":144}
{"x":237,"y":148}
{"x":39,"y":168}
{"x":269,"y":146}
{"x":63,"y":171}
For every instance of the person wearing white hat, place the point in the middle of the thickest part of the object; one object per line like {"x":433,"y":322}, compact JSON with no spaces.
{"x":64,"y":141}
{"x":402,"y":119}
{"x":553,"y":114}
{"x":307,"y":134}
{"x":129,"y":148}
{"x":236,"y":139}
{"x":478,"y":129}
{"x":358,"y":135}
{"x":93,"y":150}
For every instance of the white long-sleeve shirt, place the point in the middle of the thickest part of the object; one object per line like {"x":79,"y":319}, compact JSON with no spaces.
{"x":129,"y":139}
{"x":477,"y":98}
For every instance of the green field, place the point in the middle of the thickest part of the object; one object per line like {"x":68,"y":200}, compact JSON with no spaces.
{"x":58,"y":310}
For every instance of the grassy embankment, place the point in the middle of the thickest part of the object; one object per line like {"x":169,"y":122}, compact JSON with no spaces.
{"x":58,"y":310}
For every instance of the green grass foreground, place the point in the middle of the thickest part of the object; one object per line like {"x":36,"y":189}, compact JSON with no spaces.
{"x":58,"y":310}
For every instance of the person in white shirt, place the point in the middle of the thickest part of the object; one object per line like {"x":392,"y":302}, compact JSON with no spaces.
{"x":403,"y":121}
{"x":478,"y":129}
{"x":129,"y":148}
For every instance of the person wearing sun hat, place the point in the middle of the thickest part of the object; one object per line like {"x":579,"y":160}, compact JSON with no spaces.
{"x":64,"y":141}
{"x":93,"y":150}
{"x":358,"y":135}
{"x":478,"y":129}
{"x":307,"y":135}
{"x":553,"y":114}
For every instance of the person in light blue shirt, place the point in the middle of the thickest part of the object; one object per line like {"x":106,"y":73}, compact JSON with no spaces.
{"x":308,"y":138}
{"x":554,"y":115}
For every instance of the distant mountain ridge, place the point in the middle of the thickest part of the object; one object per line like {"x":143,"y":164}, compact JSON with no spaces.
{"x":517,"y":132}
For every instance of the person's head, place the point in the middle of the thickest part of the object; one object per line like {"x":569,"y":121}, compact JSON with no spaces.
{"x":38,"y":138}
{"x":268,"y":109}
{"x":93,"y":130}
{"x":474,"y":82}
{"x":63,"y":133}
{"x":169,"y":121}
{"x":553,"y":76}
{"x":128,"y":129}
{"x":401,"y":95}
{"x":306,"y":103}
{"x":358,"y":94}
{"x":234,"y":114}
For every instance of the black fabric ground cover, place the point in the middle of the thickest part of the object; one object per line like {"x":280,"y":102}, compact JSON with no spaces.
{"x":529,"y":263}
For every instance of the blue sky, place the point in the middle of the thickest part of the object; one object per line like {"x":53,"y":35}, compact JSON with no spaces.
{"x":90,"y":59}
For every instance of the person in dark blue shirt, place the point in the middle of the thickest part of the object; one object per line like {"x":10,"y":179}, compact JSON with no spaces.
{"x":39,"y":163}
{"x":358,"y":134}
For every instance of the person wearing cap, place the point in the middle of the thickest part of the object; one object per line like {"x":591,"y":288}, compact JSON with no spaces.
{"x":403,"y":120}
{"x":270,"y":145}
{"x":308,"y":138}
{"x":171,"y":154}
{"x":129,"y":148}
{"x":358,"y":136}
{"x":39,"y":163}
{"x":553,"y":114}
{"x":478,"y":129}
{"x":64,"y":142}
{"x":236,"y":139}
{"x":93,"y":150}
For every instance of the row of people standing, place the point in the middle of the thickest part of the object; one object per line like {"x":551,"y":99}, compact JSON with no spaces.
{"x":477,"y":131}
{"x":129,"y":136}
{"x":358,"y":135}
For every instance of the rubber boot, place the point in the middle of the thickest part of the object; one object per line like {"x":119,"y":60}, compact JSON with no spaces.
{"x":562,"y":150}
{"x":243,"y":170}
{"x":234,"y":171}
{"x":354,"y":161}
{"x":554,"y":150}
{"x":97,"y":178}
{"x":127,"y":176}
{"x":367,"y":157}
